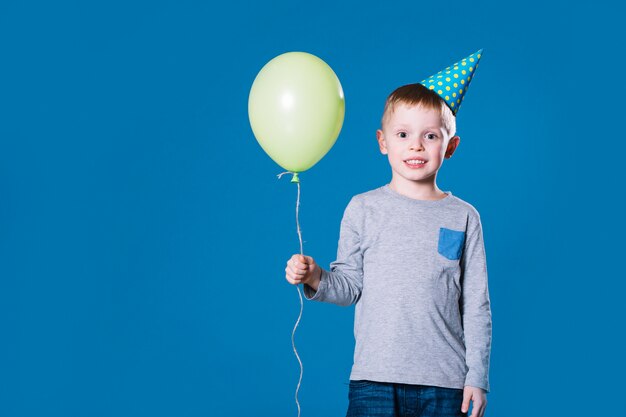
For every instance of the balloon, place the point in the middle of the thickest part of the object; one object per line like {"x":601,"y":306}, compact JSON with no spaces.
{"x":296,"y":109}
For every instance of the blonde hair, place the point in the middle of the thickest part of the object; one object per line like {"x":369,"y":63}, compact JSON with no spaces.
{"x":418,"y":95}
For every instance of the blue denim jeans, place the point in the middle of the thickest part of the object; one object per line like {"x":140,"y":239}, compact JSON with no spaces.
{"x":385,"y":399}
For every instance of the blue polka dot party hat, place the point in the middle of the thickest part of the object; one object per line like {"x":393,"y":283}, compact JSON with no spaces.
{"x":452,"y":83}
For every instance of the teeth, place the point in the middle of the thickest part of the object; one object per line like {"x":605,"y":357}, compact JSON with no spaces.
{"x":415,"y":162}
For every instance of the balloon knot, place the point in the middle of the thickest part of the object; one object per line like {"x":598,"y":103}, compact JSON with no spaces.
{"x":293,"y":179}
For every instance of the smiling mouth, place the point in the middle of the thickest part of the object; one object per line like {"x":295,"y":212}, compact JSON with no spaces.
{"x":415,"y":163}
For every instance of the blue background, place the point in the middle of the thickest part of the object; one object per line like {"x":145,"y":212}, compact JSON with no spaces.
{"x":144,"y":232}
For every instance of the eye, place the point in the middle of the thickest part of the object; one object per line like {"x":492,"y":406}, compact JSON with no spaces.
{"x":431,"y":136}
{"x":402,"y":134}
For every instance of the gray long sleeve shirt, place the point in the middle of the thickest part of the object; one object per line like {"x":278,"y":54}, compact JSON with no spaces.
{"x":417,"y":272}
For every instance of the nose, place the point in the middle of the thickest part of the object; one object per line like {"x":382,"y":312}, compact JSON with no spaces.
{"x":417,"y":144}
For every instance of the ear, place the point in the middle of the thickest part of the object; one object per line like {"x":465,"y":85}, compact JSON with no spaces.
{"x":452,"y":144}
{"x":380,"y":137}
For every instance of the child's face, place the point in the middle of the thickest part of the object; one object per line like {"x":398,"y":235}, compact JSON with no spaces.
{"x":413,"y":132}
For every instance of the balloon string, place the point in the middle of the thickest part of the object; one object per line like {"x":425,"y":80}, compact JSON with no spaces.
{"x":293,"y":343}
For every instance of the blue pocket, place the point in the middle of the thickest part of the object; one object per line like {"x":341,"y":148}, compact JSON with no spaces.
{"x":451,"y":243}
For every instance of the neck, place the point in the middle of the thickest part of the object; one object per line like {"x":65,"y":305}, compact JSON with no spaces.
{"x":417,"y":190}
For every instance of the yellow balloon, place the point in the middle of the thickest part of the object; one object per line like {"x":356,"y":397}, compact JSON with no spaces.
{"x":296,"y":109}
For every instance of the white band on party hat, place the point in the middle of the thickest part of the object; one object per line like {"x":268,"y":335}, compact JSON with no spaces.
{"x":451,"y":83}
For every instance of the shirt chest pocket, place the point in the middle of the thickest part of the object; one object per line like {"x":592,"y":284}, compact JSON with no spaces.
{"x":450,"y":243}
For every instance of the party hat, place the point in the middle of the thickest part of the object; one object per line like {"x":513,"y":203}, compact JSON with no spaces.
{"x":452,"y":83}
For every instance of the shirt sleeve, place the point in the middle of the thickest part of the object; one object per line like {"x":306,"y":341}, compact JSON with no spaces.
{"x":343,"y":283}
{"x":475,"y":307}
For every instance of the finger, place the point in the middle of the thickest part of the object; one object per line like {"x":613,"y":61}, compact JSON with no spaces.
{"x":296,"y":260}
{"x":476,"y":408}
{"x":291,"y":280}
{"x":300,"y":266}
{"x":306,"y":260}
{"x":467,"y":395}
{"x":291,"y":274}
{"x":482,"y":409}
{"x":297,"y":271}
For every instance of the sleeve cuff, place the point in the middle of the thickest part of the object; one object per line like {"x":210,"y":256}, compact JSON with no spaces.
{"x":477,"y":382}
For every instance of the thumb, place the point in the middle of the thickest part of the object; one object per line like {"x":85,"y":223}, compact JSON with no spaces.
{"x":467,"y":395}
{"x":303,"y":259}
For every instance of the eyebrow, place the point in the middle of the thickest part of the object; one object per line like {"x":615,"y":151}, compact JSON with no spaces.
{"x":426,"y":128}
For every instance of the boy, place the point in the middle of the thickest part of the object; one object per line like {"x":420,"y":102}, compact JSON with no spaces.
{"x":412,"y":259}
